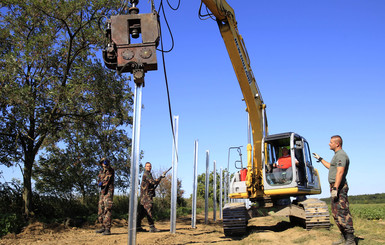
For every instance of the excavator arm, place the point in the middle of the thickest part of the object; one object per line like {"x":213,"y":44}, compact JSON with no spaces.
{"x":236,"y":49}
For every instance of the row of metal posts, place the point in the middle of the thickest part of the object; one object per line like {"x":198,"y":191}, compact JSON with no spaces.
{"x":134,"y":178}
{"x":207,"y":184}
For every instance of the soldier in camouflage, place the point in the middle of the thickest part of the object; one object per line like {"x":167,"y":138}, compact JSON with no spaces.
{"x":147,"y":193}
{"x":106,"y":184}
{"x":338,"y":169}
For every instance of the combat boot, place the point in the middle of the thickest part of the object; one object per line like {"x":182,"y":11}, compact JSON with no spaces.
{"x":101,"y":230}
{"x":107,"y":232}
{"x":153,"y":229}
{"x":341,"y":241}
{"x":350,"y":239}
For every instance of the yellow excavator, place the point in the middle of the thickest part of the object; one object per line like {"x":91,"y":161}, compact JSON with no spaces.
{"x":269,"y":186}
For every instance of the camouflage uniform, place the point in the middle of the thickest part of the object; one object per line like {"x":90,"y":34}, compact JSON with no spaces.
{"x":147,"y":192}
{"x":106,"y":177}
{"x":340,"y":205}
{"x":341,"y":212}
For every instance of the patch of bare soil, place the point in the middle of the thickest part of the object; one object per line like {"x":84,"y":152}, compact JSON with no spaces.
{"x":261,"y":230}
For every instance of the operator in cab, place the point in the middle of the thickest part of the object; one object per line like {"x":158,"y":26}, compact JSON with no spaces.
{"x":283,"y":170}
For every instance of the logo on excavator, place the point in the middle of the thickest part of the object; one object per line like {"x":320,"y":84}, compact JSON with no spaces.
{"x":243,"y":62}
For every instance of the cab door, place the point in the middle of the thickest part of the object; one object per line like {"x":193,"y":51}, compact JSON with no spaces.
{"x":309,"y":166}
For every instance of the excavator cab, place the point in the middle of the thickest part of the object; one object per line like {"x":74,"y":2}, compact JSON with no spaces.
{"x":287,"y":166}
{"x":287,"y":172}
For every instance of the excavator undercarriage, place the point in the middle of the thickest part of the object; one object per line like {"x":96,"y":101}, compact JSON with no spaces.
{"x":309,"y":214}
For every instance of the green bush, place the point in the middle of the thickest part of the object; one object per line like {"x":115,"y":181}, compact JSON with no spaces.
{"x":11,"y":223}
{"x":183,"y":211}
{"x":120,"y":207}
{"x":11,"y":203}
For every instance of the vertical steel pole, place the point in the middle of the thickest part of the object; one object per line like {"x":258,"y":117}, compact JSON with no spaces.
{"x":225,"y":186}
{"x":228,"y":186}
{"x":220,"y":193}
{"x":215,"y":192}
{"x":207,"y":188}
{"x":174,"y":184}
{"x":195,"y":186}
{"x":134,"y":164}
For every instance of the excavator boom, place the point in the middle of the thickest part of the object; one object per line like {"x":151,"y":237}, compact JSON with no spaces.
{"x":253,"y":98}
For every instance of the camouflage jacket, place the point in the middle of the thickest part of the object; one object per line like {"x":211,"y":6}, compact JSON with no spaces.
{"x":106,"y":177}
{"x":147,"y":187}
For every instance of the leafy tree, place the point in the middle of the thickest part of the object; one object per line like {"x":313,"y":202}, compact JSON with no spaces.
{"x":53,"y":86}
{"x":201,"y":190}
{"x":164,"y":189}
{"x":73,"y":170}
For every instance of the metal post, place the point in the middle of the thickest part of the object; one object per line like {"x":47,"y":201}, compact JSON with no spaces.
{"x":220,"y":193}
{"x":174,"y":184}
{"x":207,"y":187}
{"x":134,"y":164}
{"x":215,"y":192}
{"x":225,"y":187}
{"x":195,"y":186}
{"x":228,"y":187}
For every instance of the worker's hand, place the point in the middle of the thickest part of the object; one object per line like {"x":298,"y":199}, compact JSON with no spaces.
{"x":316,"y":156}
{"x":334,"y":194}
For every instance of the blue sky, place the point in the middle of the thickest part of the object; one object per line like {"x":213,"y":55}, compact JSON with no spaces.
{"x":320,"y":66}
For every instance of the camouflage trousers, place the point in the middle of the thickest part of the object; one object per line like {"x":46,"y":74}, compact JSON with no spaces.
{"x":341,"y":212}
{"x":144,"y":209}
{"x":104,"y":209}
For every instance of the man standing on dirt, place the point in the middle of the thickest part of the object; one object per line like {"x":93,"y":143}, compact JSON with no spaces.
{"x":106,"y":184}
{"x":338,"y":169}
{"x":147,"y":193}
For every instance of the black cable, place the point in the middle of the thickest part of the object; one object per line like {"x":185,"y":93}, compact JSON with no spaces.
{"x":204,"y":16}
{"x":166,"y":79}
{"x":161,"y":7}
{"x":176,"y":8}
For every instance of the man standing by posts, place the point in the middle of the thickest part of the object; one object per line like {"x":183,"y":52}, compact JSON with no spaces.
{"x":147,"y":193}
{"x":106,"y":184}
{"x":338,"y":169}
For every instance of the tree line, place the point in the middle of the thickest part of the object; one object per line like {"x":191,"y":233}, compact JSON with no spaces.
{"x":364,"y":199}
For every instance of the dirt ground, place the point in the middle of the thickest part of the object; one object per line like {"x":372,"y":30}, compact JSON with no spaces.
{"x":261,"y":230}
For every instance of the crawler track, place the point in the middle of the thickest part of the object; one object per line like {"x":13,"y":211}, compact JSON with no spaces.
{"x":235,"y":219}
{"x":317,"y":214}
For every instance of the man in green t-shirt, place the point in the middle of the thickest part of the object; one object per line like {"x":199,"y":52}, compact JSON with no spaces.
{"x":338,"y":169}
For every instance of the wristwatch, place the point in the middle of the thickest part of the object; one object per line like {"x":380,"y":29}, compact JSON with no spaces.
{"x":334,"y":188}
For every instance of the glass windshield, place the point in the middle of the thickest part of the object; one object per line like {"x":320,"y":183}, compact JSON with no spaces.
{"x":278,"y":167}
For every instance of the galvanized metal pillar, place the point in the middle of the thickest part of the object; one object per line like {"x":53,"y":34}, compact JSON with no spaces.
{"x":195,"y":186}
{"x":225,"y":186}
{"x":220,"y":194}
{"x":215,"y":192}
{"x":174,"y":183}
{"x":207,"y":188}
{"x":134,"y":180}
